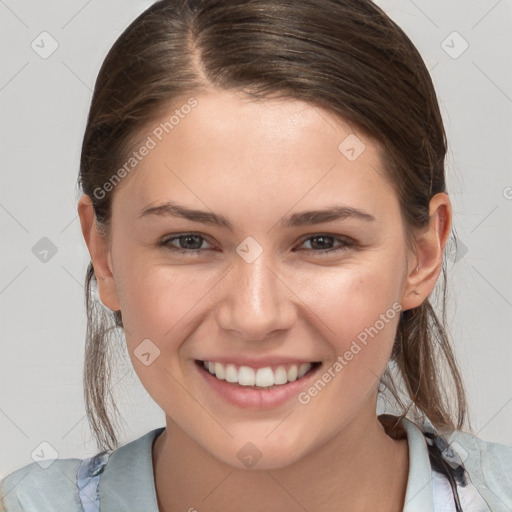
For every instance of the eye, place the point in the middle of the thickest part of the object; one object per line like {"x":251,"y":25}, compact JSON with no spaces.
{"x":322,"y":243}
{"x":189,"y":243}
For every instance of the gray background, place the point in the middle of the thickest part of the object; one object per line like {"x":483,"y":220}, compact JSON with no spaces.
{"x":44,"y":104}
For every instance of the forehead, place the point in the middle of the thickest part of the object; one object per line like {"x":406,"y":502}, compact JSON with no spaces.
{"x":229,"y":145}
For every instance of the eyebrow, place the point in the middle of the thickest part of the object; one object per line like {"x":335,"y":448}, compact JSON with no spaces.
{"x":305,"y":218}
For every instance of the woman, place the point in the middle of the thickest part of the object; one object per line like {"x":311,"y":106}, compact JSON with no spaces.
{"x":265,"y":207}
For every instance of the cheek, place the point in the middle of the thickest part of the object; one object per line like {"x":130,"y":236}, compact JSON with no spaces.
{"x":159,"y":304}
{"x":160,"y":301}
{"x":357,"y":310}
{"x":350,"y":300}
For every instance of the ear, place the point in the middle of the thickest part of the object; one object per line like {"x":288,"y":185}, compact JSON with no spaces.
{"x":425,"y":267}
{"x":100,"y":254}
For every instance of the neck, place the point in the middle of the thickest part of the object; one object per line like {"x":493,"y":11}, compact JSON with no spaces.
{"x":361,"y":468}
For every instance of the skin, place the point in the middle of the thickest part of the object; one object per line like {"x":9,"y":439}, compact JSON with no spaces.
{"x":254,"y":163}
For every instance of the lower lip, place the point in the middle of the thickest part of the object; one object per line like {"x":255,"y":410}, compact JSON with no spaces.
{"x":263,"y":398}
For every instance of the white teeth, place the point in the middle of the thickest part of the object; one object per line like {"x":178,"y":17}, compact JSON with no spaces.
{"x":304,"y":368}
{"x":262,"y":377}
{"x":219,"y":371}
{"x":231,"y":373}
{"x":280,"y":376}
{"x":246,"y":376}
{"x":292,"y":373}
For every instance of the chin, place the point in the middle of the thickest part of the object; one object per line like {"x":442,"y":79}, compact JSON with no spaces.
{"x":259,"y":452}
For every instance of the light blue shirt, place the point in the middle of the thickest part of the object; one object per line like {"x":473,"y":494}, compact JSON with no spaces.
{"x":123,"y":480}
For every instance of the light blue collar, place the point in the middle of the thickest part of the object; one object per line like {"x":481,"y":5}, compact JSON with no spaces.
{"x":128,"y":482}
{"x":419,"y":495}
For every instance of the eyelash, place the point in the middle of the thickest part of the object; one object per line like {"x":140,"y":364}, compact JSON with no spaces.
{"x":345,"y":243}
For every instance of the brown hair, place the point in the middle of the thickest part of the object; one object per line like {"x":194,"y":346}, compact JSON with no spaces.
{"x":346,"y":56}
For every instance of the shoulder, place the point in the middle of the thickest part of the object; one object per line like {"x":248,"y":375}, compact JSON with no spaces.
{"x":126,"y":475}
{"x":489,"y":466}
{"x":34,"y":487}
{"x":463,"y":458}
{"x":490,"y":460}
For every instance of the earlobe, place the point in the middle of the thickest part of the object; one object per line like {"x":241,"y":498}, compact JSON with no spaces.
{"x":100,"y":254}
{"x":428,"y":260}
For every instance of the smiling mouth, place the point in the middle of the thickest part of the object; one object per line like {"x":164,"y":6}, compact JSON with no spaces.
{"x":266,"y":377}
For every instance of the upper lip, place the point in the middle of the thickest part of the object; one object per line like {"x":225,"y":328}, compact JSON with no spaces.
{"x":258,"y":363}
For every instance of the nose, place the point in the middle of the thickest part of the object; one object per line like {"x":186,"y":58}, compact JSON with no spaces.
{"x":255,"y":302}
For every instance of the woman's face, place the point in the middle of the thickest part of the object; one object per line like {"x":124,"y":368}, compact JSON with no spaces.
{"x":258,"y":293}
